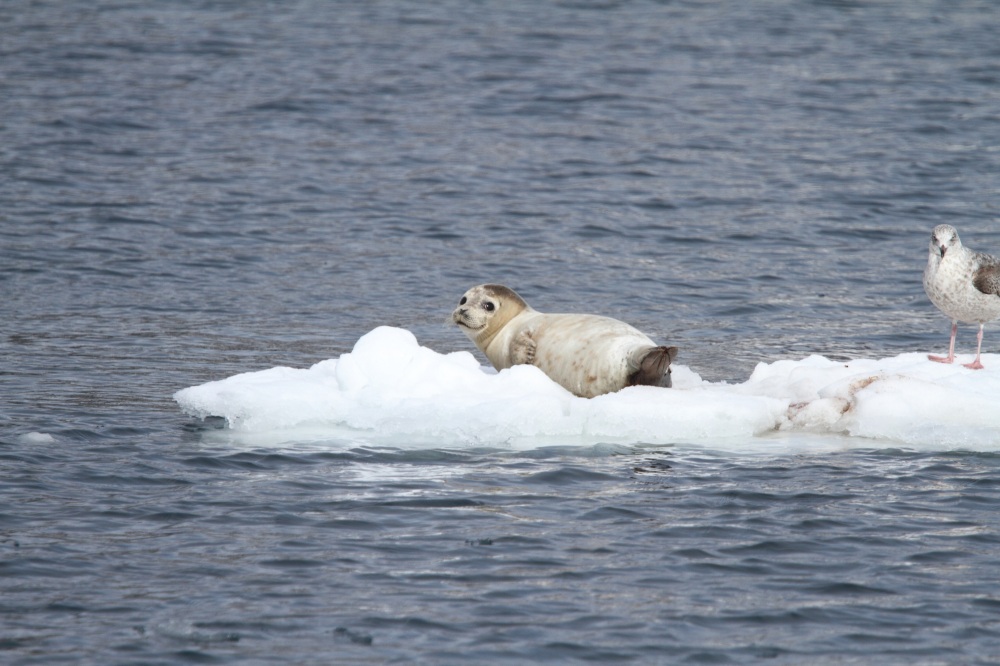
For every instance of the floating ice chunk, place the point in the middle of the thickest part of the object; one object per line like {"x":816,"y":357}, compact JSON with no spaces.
{"x":389,"y":389}
{"x":36,"y":438}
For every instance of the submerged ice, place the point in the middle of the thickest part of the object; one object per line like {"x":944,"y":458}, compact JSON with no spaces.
{"x":391,"y":390}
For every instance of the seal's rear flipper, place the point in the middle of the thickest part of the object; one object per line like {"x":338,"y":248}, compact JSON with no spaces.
{"x":654,"y":368}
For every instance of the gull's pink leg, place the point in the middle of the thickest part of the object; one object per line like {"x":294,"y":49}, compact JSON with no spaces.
{"x":950,"y":358}
{"x":976,"y":365}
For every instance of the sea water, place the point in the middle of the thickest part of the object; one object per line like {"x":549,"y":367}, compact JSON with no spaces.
{"x":237,"y":425}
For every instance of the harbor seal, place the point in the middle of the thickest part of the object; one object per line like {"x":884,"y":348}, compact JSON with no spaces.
{"x":586,"y":354}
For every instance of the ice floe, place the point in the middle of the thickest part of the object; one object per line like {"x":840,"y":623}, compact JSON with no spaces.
{"x":390,"y":390}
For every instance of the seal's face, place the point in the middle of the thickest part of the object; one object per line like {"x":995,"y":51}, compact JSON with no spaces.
{"x":477,"y":307}
{"x":485,"y":309}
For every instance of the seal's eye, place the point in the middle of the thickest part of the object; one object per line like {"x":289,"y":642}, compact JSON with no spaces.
{"x":489,"y":307}
{"x":462,"y":302}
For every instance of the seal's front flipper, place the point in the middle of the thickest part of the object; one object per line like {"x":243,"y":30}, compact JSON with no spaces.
{"x":654,"y":368}
{"x":522,"y":349}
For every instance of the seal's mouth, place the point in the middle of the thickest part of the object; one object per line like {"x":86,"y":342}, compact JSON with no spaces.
{"x":460,"y":319}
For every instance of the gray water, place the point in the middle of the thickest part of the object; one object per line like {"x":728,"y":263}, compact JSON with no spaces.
{"x":191,"y":190}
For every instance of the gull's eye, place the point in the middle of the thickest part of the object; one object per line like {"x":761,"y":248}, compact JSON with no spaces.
{"x":462,"y":302}
{"x":489,"y":307}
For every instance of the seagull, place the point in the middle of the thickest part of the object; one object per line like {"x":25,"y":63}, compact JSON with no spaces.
{"x":963,"y":284}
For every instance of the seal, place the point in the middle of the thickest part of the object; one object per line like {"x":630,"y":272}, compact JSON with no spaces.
{"x":586,"y":354}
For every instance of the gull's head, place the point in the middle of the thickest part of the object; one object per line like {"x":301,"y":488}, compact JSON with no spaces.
{"x":944,"y":238}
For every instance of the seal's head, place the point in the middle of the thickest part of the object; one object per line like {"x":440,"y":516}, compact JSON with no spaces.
{"x":484,"y":310}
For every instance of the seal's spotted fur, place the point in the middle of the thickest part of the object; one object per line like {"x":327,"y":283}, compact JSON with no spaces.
{"x":587,"y":354}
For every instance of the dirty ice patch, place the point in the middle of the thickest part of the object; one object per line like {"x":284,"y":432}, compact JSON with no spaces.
{"x":905,"y":398}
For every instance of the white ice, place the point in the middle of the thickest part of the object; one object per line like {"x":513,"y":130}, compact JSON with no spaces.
{"x":36,"y":438}
{"x":391,"y":391}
